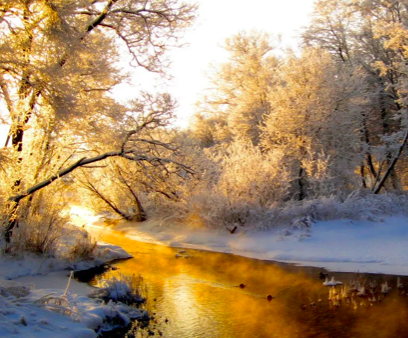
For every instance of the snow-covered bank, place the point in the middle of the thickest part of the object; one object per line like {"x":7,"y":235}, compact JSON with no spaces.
{"x":51,"y":313}
{"x":378,"y":246}
{"x":36,"y":302}
{"x":28,"y":264}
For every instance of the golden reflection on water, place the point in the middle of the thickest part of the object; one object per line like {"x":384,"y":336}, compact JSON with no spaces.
{"x":198,"y":295}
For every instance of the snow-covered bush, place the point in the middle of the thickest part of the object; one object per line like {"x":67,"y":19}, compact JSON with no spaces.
{"x":60,"y":304}
{"x":238,"y":184}
{"x":360,"y":205}
{"x":122,"y":288}
{"x":242,"y":186}
{"x":13,"y":289}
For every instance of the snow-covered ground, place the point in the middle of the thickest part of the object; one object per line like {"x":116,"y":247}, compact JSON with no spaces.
{"x":51,"y":313}
{"x":27,"y":264}
{"x":379,"y":246}
{"x":38,"y":298}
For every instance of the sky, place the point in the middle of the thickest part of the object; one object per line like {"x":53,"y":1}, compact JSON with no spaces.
{"x":218,"y":20}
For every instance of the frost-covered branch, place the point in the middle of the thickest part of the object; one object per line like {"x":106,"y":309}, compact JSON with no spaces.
{"x":378,"y":188}
{"x":129,"y":154}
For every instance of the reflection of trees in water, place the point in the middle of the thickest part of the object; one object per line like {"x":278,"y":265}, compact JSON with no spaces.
{"x":363,"y":307}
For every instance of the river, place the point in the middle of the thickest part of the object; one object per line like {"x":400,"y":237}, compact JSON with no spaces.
{"x":205,"y":294}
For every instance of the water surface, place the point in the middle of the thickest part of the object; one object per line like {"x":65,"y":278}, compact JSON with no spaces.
{"x":206,"y":294}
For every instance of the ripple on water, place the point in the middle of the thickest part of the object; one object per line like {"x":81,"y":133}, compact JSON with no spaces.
{"x":200,"y":297}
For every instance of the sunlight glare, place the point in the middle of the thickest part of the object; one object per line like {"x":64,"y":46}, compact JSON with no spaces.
{"x":81,"y":216}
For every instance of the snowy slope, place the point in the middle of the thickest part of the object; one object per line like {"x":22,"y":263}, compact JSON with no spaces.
{"x":344,"y":245}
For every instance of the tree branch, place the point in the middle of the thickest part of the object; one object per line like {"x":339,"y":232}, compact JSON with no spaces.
{"x":392,"y":165}
{"x":101,"y":17}
{"x":83,"y":161}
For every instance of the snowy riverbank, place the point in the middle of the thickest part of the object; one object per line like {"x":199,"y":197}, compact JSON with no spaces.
{"x":33,"y":301}
{"x":377,"y":246}
{"x":38,"y":299}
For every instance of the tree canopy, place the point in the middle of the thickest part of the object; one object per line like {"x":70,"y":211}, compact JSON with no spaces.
{"x":59,"y":61}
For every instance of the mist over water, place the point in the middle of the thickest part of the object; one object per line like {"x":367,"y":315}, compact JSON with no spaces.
{"x":205,"y":294}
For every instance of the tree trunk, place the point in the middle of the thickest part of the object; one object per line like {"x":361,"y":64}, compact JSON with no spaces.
{"x":362,"y":175}
{"x":140,"y":215}
{"x":391,"y":166}
{"x":92,"y":188}
{"x":369,"y":157}
{"x":302,"y":193}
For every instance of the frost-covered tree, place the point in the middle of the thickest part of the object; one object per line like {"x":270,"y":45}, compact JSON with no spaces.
{"x":58,"y":64}
{"x":365,"y":34}
{"x":238,"y":97}
{"x":392,"y":30}
{"x":123,"y":186}
{"x":58,"y":58}
{"x":141,"y":145}
{"x":238,"y":184}
{"x":313,"y":121}
{"x":331,"y":28}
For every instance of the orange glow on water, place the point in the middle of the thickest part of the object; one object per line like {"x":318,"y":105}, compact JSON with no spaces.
{"x":199,"y":294}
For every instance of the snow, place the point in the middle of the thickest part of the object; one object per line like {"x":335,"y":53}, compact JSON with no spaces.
{"x":331,"y":282}
{"x":50,"y":313}
{"x":110,"y":252}
{"x":33,"y":302}
{"x":27,"y":264}
{"x":378,"y":246}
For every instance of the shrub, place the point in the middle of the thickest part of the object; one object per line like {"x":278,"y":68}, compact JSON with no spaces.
{"x":122,"y":288}
{"x":83,"y":249}
{"x":40,"y":227}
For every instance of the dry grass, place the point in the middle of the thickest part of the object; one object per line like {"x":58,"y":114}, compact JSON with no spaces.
{"x":39,"y":231}
{"x":83,"y":249}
